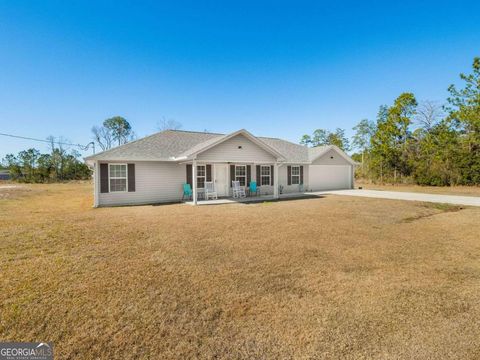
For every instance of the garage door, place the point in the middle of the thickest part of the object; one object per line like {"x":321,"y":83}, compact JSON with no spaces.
{"x":329,"y":177}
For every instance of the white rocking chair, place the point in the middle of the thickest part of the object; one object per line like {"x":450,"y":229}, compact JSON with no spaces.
{"x":210,"y":191}
{"x":238,"y":191}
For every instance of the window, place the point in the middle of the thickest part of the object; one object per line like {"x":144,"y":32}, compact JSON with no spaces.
{"x":295,"y":175}
{"x":201,"y":173}
{"x":117,"y":177}
{"x":265,"y":175}
{"x":241,"y":174}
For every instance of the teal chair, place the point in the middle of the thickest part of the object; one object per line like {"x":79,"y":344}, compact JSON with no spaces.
{"x":253,"y":188}
{"x":187,"y":192}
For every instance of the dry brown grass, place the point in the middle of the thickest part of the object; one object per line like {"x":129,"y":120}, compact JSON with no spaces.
{"x":335,"y":277}
{"x":444,"y":190}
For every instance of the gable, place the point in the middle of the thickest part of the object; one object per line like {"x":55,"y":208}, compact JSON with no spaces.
{"x":238,"y":148}
{"x":331,"y":157}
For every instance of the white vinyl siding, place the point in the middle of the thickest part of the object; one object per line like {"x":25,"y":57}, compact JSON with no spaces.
{"x":155,"y":182}
{"x":239,"y":149}
{"x":331,"y":157}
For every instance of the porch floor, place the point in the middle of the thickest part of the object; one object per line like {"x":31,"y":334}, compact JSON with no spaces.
{"x":249,"y":199}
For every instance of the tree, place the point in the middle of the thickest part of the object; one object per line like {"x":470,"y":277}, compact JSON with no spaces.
{"x":429,"y":113}
{"x":322,"y":137}
{"x":338,"y":139}
{"x":28,"y":160}
{"x":116,"y":129}
{"x":464,"y":113}
{"x":436,"y":159}
{"x":306,"y":140}
{"x":389,"y":143}
{"x":103,"y":137}
{"x":120,"y":129}
{"x":364,"y":131}
{"x":13,"y":165}
{"x":168,"y":124}
{"x":319,"y":137}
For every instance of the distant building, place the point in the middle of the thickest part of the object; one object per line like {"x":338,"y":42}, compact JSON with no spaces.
{"x":4,"y":175}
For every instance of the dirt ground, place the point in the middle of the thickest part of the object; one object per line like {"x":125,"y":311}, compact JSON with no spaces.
{"x":327,"y":278}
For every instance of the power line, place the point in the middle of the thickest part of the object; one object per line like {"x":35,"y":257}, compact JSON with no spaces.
{"x":83,"y":147}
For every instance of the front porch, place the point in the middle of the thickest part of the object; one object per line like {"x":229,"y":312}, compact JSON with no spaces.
{"x":252,"y":199}
{"x":222,"y":175}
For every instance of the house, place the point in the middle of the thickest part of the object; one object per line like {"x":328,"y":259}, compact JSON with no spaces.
{"x":153,"y":169}
{"x":4,"y":175}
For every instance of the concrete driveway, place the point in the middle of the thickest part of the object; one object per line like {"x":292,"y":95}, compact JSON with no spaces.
{"x":397,"y":195}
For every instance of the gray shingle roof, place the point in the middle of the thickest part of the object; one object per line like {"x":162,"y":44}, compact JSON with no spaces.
{"x":291,"y":151}
{"x":164,"y":145}
{"x":170,"y":144}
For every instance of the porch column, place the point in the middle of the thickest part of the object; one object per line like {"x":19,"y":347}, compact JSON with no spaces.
{"x":96,"y":182}
{"x":194,"y":181}
{"x":276,"y":180}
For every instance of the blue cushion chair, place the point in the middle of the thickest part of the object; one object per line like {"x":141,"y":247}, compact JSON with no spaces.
{"x":187,"y":192}
{"x":253,"y":188}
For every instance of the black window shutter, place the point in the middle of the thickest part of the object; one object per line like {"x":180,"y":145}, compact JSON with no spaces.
{"x":104,"y":178}
{"x":249,"y":175}
{"x":232,"y":174}
{"x":301,"y":174}
{"x":289,"y":175}
{"x":271,"y":175}
{"x":209,"y":172}
{"x":259,"y":179}
{"x":189,"y":174}
{"x":131,"y":177}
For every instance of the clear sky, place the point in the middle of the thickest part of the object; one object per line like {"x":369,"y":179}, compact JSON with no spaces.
{"x":278,"y":69}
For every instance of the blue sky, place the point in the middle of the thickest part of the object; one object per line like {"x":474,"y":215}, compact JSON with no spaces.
{"x":278,"y":69}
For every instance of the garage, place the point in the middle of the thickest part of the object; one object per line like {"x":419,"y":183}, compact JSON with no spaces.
{"x":330,"y":177}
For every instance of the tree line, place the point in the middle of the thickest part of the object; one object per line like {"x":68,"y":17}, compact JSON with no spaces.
{"x":425,"y":143}
{"x":57,"y":165}
{"x":61,"y":164}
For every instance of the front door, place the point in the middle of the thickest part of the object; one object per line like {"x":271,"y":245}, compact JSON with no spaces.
{"x":221,"y":179}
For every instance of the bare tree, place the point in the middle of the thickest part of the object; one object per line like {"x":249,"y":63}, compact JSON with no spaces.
{"x":429,"y":113}
{"x":58,"y":154}
{"x":168,"y":124}
{"x":103,"y":137}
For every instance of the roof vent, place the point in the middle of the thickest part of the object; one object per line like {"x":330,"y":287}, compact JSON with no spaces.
{"x":239,"y":146}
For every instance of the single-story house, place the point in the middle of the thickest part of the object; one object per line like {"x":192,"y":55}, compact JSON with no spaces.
{"x":153,"y":169}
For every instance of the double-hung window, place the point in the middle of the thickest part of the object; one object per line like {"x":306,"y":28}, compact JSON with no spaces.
{"x":117,"y":177}
{"x":241,"y":174}
{"x":295,"y":175}
{"x":201,"y":174}
{"x":265,"y":175}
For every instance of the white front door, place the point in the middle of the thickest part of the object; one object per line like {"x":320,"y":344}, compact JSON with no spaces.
{"x":221,"y":179}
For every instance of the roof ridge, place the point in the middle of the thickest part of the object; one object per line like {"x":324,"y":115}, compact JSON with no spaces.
{"x":280,"y":139}
{"x":195,"y":132}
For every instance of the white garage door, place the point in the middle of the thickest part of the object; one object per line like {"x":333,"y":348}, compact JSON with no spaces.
{"x":329,"y":177}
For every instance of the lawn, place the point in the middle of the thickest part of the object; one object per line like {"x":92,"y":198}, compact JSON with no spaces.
{"x":333,"y":277}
